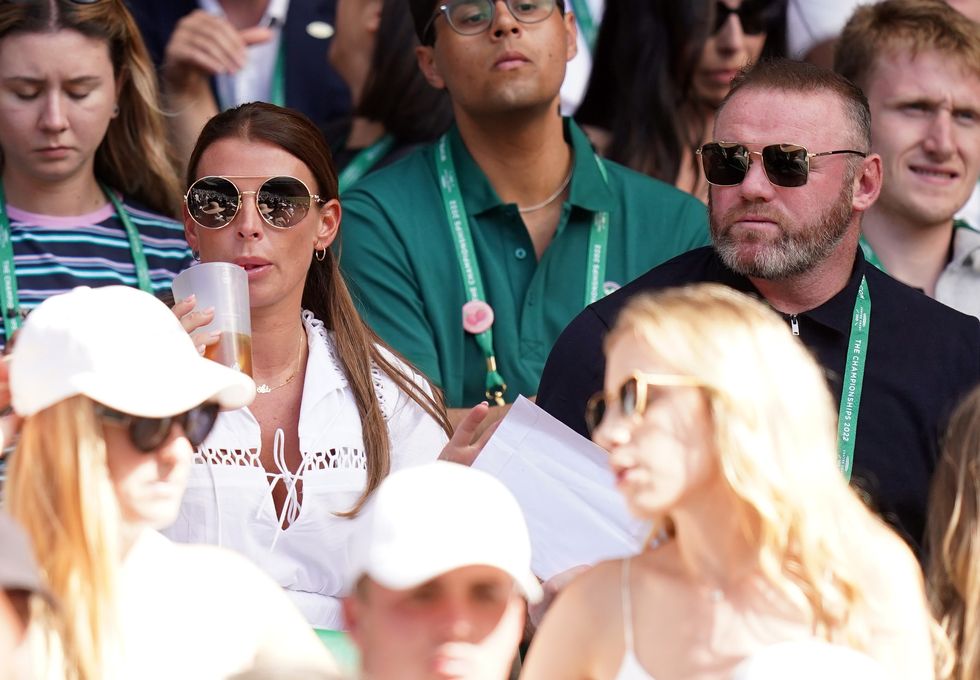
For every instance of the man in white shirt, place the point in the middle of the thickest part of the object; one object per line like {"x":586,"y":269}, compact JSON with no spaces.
{"x":918,"y":61}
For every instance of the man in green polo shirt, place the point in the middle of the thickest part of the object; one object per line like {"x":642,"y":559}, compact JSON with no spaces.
{"x":471,"y":255}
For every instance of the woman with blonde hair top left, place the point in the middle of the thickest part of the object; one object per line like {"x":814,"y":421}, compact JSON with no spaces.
{"x":720,"y":431}
{"x":114,"y":396}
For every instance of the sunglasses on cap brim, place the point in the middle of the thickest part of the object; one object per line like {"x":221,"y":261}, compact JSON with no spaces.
{"x":148,"y":434}
{"x":213,"y":202}
{"x":726,"y":164}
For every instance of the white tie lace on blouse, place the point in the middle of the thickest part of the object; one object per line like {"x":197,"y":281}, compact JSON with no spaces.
{"x":229,"y":495}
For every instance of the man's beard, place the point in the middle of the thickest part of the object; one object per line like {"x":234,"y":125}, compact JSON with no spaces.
{"x":794,"y":251}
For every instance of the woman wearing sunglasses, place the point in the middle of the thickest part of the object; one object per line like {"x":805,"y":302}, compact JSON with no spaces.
{"x":660,"y":70}
{"x":114,"y":397}
{"x":86,"y":179}
{"x":721,"y":433}
{"x":282,"y":480}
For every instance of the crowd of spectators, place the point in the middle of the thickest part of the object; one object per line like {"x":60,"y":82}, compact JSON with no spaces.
{"x":728,"y":249}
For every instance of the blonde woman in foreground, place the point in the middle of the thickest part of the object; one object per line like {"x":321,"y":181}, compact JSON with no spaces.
{"x":721,"y":432}
{"x":954,"y":541}
{"x":114,"y":396}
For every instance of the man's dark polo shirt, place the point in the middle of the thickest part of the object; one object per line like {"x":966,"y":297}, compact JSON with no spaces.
{"x":922,"y":358}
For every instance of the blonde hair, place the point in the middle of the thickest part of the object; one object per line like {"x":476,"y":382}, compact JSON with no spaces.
{"x":953,"y":537}
{"x":773,"y":425}
{"x":134,"y":156}
{"x":60,"y":491}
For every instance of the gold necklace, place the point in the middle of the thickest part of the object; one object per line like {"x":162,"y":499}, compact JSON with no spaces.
{"x":265,"y":389}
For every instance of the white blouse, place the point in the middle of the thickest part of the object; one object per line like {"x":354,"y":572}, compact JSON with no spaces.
{"x":229,"y":494}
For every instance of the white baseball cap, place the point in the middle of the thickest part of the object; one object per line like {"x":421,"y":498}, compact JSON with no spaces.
{"x":120,"y":347}
{"x":428,"y":520}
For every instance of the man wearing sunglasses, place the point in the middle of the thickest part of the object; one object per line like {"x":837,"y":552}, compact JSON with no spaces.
{"x":469,"y":256}
{"x":919,"y":63}
{"x":791,"y":175}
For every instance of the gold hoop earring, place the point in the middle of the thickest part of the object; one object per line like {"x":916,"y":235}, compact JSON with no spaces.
{"x":320,"y":255}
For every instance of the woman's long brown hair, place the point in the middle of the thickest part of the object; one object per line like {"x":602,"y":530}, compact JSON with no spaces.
{"x":325,"y":292}
{"x":134,"y":155}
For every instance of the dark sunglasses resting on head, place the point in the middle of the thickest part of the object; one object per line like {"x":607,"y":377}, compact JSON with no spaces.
{"x":283,"y":202}
{"x":787,"y":165}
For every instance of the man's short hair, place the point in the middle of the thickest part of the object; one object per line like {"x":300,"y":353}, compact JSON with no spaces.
{"x":879,"y":31}
{"x":422,"y":11}
{"x":800,"y":77}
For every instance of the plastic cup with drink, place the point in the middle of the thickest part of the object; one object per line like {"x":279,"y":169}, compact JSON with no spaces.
{"x":223,"y":286}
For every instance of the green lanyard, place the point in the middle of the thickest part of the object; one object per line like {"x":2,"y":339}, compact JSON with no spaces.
{"x":452,"y":199}
{"x":586,"y":22}
{"x":9,"y":298}
{"x":362,"y":163}
{"x":850,"y":400}
{"x":870,"y":256}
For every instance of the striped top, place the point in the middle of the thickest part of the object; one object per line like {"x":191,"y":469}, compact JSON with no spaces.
{"x":53,"y":254}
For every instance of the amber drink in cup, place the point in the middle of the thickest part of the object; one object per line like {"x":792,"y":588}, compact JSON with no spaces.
{"x":223,"y":286}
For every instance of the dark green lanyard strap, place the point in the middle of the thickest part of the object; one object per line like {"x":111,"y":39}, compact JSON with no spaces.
{"x":586,"y":22}
{"x":362,"y":163}
{"x":850,"y":401}
{"x":9,"y":297}
{"x":452,"y":199}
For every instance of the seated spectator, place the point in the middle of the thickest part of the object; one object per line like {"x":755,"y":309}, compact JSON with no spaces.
{"x":114,"y":396}
{"x":216,"y":54}
{"x":812,"y":28}
{"x":918,"y":61}
{"x":395,"y":109}
{"x":281,"y":480}
{"x":720,"y":432}
{"x":792,"y":178}
{"x":661,"y":69}
{"x":954,"y":514}
{"x":469,"y":256}
{"x":86,"y":178}
{"x":442,"y":575}
{"x":20,"y":586}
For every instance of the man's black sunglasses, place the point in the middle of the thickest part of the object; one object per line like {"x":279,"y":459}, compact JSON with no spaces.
{"x":787,"y":165}
{"x":147,"y":434}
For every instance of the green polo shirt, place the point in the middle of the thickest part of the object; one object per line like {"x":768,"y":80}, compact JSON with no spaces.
{"x":398,"y":256}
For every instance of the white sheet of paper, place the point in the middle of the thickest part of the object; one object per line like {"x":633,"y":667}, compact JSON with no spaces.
{"x":565,"y":488}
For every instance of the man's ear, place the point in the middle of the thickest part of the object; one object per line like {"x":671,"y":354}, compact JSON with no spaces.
{"x":372,"y":11}
{"x":867,"y":182}
{"x":571,"y":36}
{"x":427,"y":64}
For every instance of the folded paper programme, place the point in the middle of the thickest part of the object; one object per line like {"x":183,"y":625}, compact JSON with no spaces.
{"x":565,"y":488}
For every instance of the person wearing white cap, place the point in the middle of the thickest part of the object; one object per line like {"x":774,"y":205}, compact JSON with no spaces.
{"x":114,"y":395}
{"x":441,"y":570}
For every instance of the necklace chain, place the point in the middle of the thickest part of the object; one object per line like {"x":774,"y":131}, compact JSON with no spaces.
{"x":551,"y":199}
{"x":265,"y":389}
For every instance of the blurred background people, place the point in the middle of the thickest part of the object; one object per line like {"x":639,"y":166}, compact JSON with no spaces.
{"x":661,"y":68}
{"x":918,"y":62}
{"x":213,"y":55}
{"x":442,"y":575}
{"x":954,"y":541}
{"x":720,"y":432}
{"x":114,"y":396}
{"x":88,"y":190}
{"x":281,"y":480}
{"x":394,"y":108}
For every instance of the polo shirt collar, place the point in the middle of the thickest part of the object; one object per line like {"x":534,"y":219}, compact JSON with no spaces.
{"x":836,"y":313}
{"x":588,"y":189}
